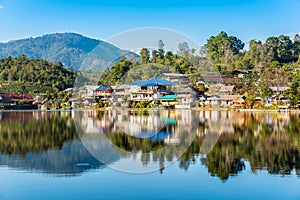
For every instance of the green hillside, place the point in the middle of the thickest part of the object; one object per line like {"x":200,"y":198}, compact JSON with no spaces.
{"x":23,"y":75}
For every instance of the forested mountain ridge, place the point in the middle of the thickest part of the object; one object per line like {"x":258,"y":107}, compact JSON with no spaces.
{"x":23,"y":75}
{"x":72,"y":50}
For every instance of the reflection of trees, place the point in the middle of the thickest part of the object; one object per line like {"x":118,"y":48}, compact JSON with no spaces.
{"x":274,"y":147}
{"x":43,"y":141}
{"x":277,"y":148}
{"x":133,"y":144}
{"x":149,"y":148}
{"x":36,"y":132}
{"x":268,"y":141}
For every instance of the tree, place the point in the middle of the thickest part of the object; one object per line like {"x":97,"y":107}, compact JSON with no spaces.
{"x":183,"y":48}
{"x":223,"y":49}
{"x":281,"y":48}
{"x":254,"y":54}
{"x":275,"y":75}
{"x":293,"y":92}
{"x":161,"y":44}
{"x":145,"y":55}
{"x":296,"y":47}
{"x":114,"y":74}
{"x":155,"y":57}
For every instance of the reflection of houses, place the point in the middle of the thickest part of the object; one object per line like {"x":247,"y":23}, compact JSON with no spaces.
{"x":220,"y":122}
{"x":92,"y":124}
{"x":154,"y":127}
{"x":139,"y":126}
{"x":172,"y":139}
{"x":185,"y":118}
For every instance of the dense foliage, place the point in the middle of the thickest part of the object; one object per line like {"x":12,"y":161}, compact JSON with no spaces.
{"x":228,"y":52}
{"x":23,"y":75}
{"x":127,"y":71}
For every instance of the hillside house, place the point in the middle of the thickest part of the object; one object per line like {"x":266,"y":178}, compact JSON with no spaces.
{"x":150,"y":90}
{"x":222,"y":100}
{"x":227,"y":89}
{"x":187,"y":97}
{"x":180,"y":79}
{"x":15,"y":99}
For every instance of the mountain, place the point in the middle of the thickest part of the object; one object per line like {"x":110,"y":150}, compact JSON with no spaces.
{"x":72,"y":50}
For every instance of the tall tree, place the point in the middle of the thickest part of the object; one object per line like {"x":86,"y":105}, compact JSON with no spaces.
{"x":145,"y":55}
{"x":294,"y":91}
{"x":155,"y":56}
{"x":161,"y":44}
{"x":183,"y":48}
{"x":281,"y":48}
{"x":223,"y":49}
{"x":296,"y":47}
{"x":161,"y":52}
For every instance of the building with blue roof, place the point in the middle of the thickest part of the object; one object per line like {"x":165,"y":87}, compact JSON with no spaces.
{"x":104,"y":93}
{"x":151,"y":89}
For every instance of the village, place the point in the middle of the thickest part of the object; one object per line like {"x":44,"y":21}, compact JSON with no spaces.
{"x":174,"y":91}
{"x":169,"y":91}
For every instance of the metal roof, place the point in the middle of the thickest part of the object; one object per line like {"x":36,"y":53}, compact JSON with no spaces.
{"x":168,"y":98}
{"x":153,"y":82}
{"x":104,"y":87}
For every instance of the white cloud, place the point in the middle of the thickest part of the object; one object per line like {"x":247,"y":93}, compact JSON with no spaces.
{"x":1,"y":7}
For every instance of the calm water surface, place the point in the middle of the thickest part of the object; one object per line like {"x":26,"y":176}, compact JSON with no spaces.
{"x":157,"y":155}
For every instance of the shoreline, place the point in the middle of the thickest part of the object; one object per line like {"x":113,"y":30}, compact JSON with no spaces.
{"x":157,"y":109}
{"x":277,"y":110}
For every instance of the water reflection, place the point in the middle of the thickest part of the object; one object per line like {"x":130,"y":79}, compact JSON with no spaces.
{"x":137,"y":142}
{"x":220,"y":140}
{"x":268,"y":141}
{"x":43,"y":141}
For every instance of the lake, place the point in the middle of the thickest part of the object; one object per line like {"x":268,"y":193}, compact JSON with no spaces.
{"x":170,"y":154}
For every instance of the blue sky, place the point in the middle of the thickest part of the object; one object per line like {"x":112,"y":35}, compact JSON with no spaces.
{"x":101,"y":19}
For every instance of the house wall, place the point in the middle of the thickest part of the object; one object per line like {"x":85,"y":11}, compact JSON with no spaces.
{"x":103,"y":93}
